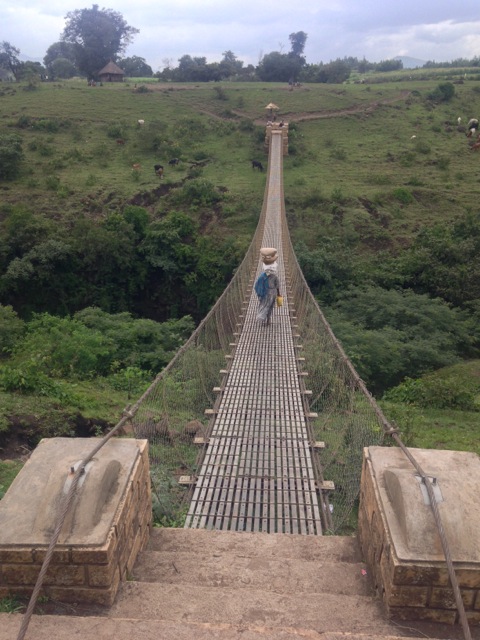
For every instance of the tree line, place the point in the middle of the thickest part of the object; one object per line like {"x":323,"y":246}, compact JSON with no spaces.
{"x":93,"y":37}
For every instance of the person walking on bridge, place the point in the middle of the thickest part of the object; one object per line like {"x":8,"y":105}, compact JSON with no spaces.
{"x":267,"y":286}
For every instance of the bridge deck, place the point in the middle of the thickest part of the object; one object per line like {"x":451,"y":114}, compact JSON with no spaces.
{"x":257,"y":474}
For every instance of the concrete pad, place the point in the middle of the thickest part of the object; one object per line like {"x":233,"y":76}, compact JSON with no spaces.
{"x":29,"y":510}
{"x":406,"y":505}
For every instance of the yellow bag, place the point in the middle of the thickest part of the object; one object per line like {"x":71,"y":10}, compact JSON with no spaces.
{"x":279,"y":301}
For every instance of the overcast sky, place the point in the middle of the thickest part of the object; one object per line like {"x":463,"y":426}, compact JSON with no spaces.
{"x":439,"y":30}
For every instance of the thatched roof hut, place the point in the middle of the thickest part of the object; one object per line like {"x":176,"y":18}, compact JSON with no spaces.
{"x":111,"y":73}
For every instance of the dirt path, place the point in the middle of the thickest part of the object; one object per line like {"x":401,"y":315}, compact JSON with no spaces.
{"x":335,"y":113}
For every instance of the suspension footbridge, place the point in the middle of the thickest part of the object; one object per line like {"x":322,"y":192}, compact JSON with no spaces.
{"x":260,"y":428}
{"x":258,"y":474}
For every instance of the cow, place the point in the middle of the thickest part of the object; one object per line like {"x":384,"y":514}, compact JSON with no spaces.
{"x":120,"y":141}
{"x":472,"y":127}
{"x":257,"y":165}
{"x":136,"y":166}
{"x":173,"y":161}
{"x":158,"y":170}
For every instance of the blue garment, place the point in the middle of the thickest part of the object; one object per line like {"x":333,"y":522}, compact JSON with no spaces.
{"x":267,"y":303}
{"x":261,"y":285}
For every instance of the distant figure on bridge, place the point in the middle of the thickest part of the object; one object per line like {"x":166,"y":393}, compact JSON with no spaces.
{"x":267,"y":286}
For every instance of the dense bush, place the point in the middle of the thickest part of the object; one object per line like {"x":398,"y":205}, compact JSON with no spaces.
{"x":157,"y":269}
{"x":392,"y":334}
{"x":328,"y":269}
{"x":443,"y":261}
{"x":64,"y":348}
{"x":140,"y":343}
{"x":93,"y":343}
{"x":435,"y":393}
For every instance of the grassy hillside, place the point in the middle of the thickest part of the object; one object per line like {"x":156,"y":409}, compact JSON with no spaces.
{"x":357,"y":144}
{"x":370,"y":167}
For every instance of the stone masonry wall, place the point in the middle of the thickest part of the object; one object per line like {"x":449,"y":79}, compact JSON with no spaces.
{"x":88,"y":575}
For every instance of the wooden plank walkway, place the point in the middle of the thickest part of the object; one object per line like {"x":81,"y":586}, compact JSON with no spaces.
{"x":257,"y":474}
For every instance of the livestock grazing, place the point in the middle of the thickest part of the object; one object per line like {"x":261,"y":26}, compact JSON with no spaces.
{"x":257,"y":165}
{"x":136,"y":166}
{"x":120,"y":141}
{"x":141,"y":122}
{"x":158,"y":170}
{"x":472,"y":126}
{"x":173,"y":161}
{"x":476,"y":145}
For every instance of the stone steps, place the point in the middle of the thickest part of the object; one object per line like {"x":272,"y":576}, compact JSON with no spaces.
{"x":196,"y":584}
{"x":100,"y":628}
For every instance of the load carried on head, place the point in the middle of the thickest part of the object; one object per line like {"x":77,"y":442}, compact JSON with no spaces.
{"x":269,"y":255}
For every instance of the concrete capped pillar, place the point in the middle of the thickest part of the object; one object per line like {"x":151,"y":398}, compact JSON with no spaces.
{"x":399,"y":536}
{"x":107,"y":525}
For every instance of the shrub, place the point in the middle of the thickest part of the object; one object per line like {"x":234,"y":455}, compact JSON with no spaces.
{"x":199,"y":192}
{"x":422,"y":147}
{"x":443,"y":163}
{"x":131,"y":379}
{"x":434,"y":393}
{"x":115,"y":131}
{"x":24,"y":122}
{"x":11,"y":329}
{"x":26,"y":377}
{"x":403,"y":195}
{"x":11,"y":155}
{"x":64,"y":347}
{"x":49,"y":125}
{"x":220,"y":93}
{"x":442,"y":93}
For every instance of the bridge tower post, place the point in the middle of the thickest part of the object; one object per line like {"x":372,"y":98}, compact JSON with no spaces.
{"x":275,"y":126}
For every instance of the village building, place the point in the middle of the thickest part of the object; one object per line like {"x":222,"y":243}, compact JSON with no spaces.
{"x":111,"y":73}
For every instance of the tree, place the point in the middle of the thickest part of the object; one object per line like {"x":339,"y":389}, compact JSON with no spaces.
{"x":60,"y":51}
{"x":99,"y":35}
{"x":335,"y":72}
{"x":136,"y":67}
{"x":192,"y":69}
{"x":230,"y":65}
{"x":9,"y":58}
{"x":11,"y":329}
{"x":62,"y":68}
{"x":31,"y":71}
{"x":297,"y":43}
{"x":389,"y":65}
{"x":277,"y":67}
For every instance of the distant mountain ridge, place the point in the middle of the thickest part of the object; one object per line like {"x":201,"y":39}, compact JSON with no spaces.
{"x":410,"y":63}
